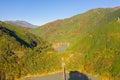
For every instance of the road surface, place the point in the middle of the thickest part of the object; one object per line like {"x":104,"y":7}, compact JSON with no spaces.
{"x":58,"y":76}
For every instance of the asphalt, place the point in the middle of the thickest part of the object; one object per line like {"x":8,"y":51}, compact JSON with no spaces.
{"x":59,"y":76}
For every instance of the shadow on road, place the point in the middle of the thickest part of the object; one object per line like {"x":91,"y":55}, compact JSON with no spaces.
{"x":75,"y":75}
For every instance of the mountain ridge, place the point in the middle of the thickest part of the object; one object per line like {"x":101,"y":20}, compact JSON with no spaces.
{"x":94,"y":41}
{"x":78,"y":21}
{"x":21,"y":23}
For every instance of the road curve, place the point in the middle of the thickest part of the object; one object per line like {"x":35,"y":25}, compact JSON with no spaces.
{"x":59,"y":76}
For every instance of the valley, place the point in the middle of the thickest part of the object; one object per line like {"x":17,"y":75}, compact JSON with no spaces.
{"x":95,"y":50}
{"x":87,"y":42}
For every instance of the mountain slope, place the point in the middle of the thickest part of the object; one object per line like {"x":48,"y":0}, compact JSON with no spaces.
{"x":18,"y":33}
{"x":23,"y":53}
{"x":101,"y":51}
{"x":70,"y":29}
{"x":94,"y":41}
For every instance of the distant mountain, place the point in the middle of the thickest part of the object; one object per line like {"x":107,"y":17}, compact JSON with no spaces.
{"x":20,"y":23}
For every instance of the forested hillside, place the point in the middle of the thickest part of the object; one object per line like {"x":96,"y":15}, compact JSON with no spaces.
{"x":22,"y":53}
{"x":76,"y":27}
{"x":94,"y":39}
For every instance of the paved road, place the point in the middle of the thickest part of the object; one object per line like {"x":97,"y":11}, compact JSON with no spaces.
{"x":58,"y":76}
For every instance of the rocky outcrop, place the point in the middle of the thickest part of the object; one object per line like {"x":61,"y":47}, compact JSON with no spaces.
{"x":59,"y":44}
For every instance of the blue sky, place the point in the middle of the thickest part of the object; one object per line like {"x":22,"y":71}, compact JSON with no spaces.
{"x":39,"y":12}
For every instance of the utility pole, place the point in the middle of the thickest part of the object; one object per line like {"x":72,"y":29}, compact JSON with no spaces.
{"x":63,"y":69}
